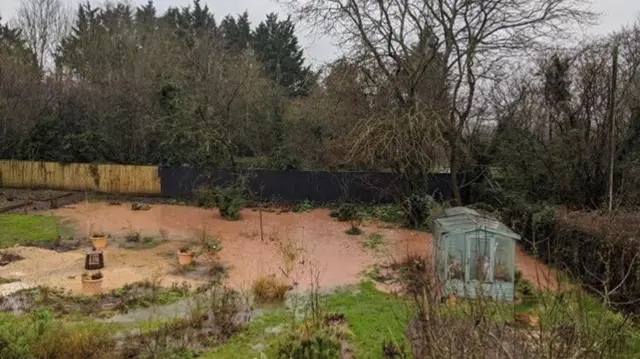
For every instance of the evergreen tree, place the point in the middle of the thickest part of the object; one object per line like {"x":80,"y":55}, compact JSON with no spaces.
{"x":191,"y":24}
{"x":12,"y":45}
{"x":236,"y":33}
{"x":276,"y":45}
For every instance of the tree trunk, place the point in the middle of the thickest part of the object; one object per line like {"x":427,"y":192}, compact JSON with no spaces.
{"x":453,"y":170}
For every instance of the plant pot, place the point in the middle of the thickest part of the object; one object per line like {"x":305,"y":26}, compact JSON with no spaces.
{"x":185,"y":258}
{"x":99,"y":242}
{"x":92,"y":286}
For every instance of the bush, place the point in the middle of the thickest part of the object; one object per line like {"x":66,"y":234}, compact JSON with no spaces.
{"x":346,"y":212}
{"x":269,"y":289}
{"x":418,"y":209}
{"x":205,"y":197}
{"x":229,"y":199}
{"x":524,"y":288}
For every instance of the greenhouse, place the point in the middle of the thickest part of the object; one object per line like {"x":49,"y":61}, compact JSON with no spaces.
{"x":474,"y":254}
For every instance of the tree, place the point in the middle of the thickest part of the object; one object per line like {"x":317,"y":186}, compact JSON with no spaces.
{"x":276,"y":45}
{"x":44,"y":23}
{"x":236,"y":33}
{"x":19,"y":83}
{"x":469,"y":41}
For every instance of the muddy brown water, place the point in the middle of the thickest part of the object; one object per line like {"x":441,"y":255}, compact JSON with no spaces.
{"x":327,"y":255}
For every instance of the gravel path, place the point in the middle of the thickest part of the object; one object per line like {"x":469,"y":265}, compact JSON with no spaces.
{"x":10,"y":288}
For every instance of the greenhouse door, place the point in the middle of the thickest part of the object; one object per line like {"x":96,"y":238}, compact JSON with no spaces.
{"x":480,"y":257}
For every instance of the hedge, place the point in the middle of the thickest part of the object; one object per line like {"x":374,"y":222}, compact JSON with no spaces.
{"x":599,"y":257}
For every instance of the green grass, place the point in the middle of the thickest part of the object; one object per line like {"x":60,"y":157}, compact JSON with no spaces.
{"x":17,"y":229}
{"x":241,"y":345}
{"x":373,"y":317}
{"x":374,"y":242}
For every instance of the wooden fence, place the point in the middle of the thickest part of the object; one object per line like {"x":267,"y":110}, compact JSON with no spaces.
{"x":80,"y":176}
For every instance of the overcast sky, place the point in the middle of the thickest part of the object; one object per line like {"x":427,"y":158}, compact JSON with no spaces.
{"x":616,"y":13}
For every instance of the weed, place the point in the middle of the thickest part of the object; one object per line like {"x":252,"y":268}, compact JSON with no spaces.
{"x":412,"y":270}
{"x":346,"y":212}
{"x":89,"y":341}
{"x":318,"y":346}
{"x":132,"y":236}
{"x":269,"y":289}
{"x":304,"y":206}
{"x":289,"y":251}
{"x":208,"y":246}
{"x":8,"y":280}
{"x":191,"y":267}
{"x":389,"y":213}
{"x":374,"y":241}
{"x":7,"y":256}
{"x":391,"y":350}
{"x":148,"y":240}
{"x":164,"y":234}
{"x":355,"y":228}
{"x":354,"y":231}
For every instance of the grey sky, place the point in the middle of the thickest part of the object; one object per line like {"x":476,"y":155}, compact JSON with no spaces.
{"x":616,"y":13}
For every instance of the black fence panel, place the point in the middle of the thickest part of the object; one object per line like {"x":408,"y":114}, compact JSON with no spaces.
{"x":292,"y":186}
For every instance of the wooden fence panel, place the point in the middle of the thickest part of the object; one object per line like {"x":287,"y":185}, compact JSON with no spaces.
{"x":123,"y":179}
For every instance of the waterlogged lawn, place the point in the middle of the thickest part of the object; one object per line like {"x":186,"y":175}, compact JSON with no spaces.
{"x":17,"y":229}
{"x":373,"y":317}
{"x":261,"y":335}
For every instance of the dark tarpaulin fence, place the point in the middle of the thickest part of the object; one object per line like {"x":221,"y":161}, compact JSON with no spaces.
{"x":291,"y":186}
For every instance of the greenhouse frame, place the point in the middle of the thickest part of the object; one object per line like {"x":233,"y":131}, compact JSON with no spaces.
{"x":474,"y":255}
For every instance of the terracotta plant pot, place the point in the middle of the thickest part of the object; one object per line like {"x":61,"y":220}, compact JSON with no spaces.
{"x":99,"y":242}
{"x":185,"y":258}
{"x":92,"y":286}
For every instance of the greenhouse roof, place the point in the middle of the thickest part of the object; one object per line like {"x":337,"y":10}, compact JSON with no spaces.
{"x":463,"y":219}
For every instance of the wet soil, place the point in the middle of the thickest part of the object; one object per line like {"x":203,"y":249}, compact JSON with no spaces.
{"x":324,"y":254}
{"x":137,"y":295}
{"x":324,"y":247}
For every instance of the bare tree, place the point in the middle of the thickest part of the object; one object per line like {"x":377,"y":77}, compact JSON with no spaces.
{"x":467,"y":43}
{"x":44,"y":23}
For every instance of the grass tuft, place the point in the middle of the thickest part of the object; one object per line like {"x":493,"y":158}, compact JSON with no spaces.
{"x":269,"y":289}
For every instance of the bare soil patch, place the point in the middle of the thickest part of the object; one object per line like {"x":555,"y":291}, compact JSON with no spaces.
{"x":14,"y":200}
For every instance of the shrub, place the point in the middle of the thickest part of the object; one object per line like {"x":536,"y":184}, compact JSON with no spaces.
{"x":412,"y":270}
{"x":205,"y":197}
{"x":304,"y":206}
{"x":269,"y":289}
{"x":524,"y":288}
{"x":346,"y":212}
{"x":417,"y":209}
